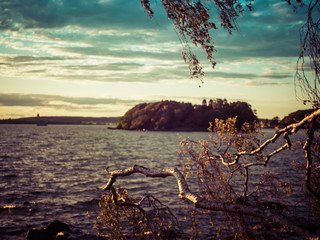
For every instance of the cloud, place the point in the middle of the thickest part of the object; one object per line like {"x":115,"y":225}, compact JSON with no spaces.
{"x":7,"y":99}
{"x":142,"y":53}
{"x":271,"y":30}
{"x":28,"y":59}
{"x":123,"y":68}
{"x":138,"y":73}
{"x":20,"y":14}
{"x":55,"y":101}
{"x":16,"y":14}
{"x":216,"y":74}
{"x":250,"y":79}
{"x":55,"y":32}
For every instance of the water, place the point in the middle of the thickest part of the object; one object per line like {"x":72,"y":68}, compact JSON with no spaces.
{"x":53,"y":172}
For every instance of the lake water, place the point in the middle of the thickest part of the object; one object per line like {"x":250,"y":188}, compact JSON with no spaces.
{"x":53,"y":172}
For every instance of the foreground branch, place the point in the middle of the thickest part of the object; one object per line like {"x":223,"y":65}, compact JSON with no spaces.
{"x":288,"y":130}
{"x":228,"y":207}
{"x":185,"y":193}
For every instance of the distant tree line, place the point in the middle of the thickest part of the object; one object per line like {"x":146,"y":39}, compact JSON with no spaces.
{"x":64,"y":120}
{"x":296,"y":116}
{"x":172,"y":115}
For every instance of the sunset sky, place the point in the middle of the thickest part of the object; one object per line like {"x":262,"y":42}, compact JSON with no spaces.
{"x":102,"y":57}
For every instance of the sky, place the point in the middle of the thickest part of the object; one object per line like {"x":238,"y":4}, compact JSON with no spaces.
{"x":100,"y":58}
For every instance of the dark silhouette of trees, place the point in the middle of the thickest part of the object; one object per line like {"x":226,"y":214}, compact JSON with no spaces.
{"x":243,"y":111}
{"x":296,"y":116}
{"x":171,"y":115}
{"x":275,"y":121}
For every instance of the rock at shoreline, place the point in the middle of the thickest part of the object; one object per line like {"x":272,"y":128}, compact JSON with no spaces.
{"x":56,"y":226}
{"x":37,"y":234}
{"x":55,"y":230}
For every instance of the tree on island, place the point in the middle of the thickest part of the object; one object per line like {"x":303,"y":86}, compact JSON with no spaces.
{"x":222,"y":166}
{"x":172,"y":115}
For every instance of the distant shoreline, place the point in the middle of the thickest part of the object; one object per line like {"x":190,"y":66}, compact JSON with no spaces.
{"x":89,"y":121}
{"x":65,"y":120}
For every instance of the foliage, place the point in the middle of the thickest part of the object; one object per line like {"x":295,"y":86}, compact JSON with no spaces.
{"x":192,"y":20}
{"x":296,"y":116}
{"x":171,"y":115}
{"x":222,"y":179}
{"x":234,"y":184}
{"x":123,"y":219}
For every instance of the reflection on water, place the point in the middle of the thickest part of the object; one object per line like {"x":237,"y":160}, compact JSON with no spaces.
{"x":53,"y":172}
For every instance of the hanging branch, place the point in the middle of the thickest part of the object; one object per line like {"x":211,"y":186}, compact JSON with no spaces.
{"x":191,"y":20}
{"x":310,"y":45}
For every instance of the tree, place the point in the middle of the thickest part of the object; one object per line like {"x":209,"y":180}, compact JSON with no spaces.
{"x":231,"y":156}
{"x":296,"y":116}
{"x":275,"y":121}
{"x":219,"y":164}
{"x":243,"y":111}
{"x":172,"y":115}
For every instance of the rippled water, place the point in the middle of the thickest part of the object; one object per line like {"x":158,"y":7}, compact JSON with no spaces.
{"x":53,"y":172}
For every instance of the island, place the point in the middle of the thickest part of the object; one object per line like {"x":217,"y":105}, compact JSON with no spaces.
{"x":179,"y":116}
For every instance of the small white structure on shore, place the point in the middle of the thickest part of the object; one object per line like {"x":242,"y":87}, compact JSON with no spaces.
{"x":40,"y":122}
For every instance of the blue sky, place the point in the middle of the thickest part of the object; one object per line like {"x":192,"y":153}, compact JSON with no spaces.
{"x":102,"y":57}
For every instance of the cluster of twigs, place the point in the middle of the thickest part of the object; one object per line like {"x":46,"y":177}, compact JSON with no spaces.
{"x":191,"y":20}
{"x":308,"y":64}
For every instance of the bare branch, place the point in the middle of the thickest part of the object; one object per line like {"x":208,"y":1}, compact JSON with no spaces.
{"x":290,"y":129}
{"x":310,"y":43}
{"x":129,"y":171}
{"x":191,"y":20}
{"x":185,"y":193}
